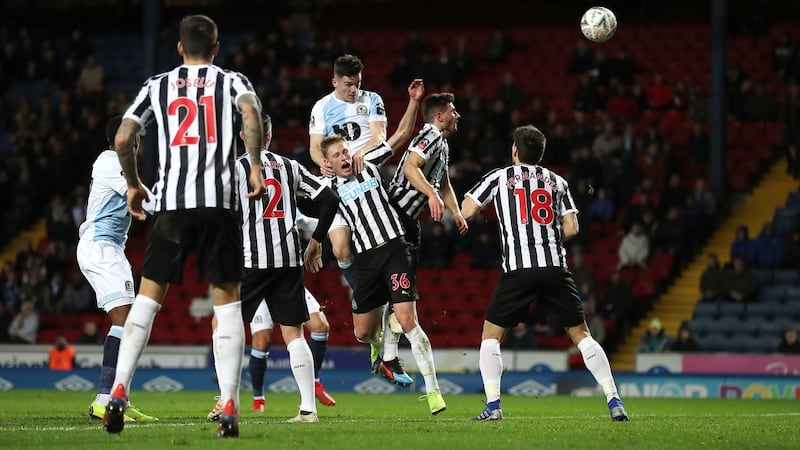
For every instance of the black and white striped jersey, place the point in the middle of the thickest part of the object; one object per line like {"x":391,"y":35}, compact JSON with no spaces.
{"x":194,"y":107}
{"x":270,"y":236}
{"x":431,"y":145}
{"x":530,"y":202}
{"x":364,"y":203}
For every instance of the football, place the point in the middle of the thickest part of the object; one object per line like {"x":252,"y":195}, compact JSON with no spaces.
{"x":598,"y":24}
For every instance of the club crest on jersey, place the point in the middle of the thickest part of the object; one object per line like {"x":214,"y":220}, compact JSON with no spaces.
{"x":423,"y":144}
{"x":129,"y":286}
{"x":312,"y":122}
{"x":361,"y":110}
{"x":351,"y":190}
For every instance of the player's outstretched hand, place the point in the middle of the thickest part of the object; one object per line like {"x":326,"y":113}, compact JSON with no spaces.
{"x":256,"y":182}
{"x":461,"y":224}
{"x":136,"y":195}
{"x":436,"y":206}
{"x":416,"y":89}
{"x":313,"y":256}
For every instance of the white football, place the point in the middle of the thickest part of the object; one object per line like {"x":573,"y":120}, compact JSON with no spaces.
{"x":598,"y":24}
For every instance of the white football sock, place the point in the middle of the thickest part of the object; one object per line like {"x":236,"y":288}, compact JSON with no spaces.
{"x":390,"y":338}
{"x":597,"y":362}
{"x":137,"y":332}
{"x":302,"y":362}
{"x":216,"y":356}
{"x":491,"y":365}
{"x":423,"y":355}
{"x":229,"y":340}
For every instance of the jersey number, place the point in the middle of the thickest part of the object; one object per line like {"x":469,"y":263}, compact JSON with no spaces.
{"x":272,"y":212}
{"x":541,"y":208}
{"x":190,"y":107}
{"x":400,"y":282}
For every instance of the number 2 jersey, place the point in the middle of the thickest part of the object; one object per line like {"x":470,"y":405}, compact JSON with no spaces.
{"x":530,"y":202}
{"x":194,"y":106}
{"x":270,"y":237}
{"x":331,"y":116}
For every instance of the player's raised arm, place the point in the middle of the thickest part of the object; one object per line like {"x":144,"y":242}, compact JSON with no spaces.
{"x":416,"y":90}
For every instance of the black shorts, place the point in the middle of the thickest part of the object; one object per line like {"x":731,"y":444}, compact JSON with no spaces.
{"x":214,"y":233}
{"x":553,"y":287}
{"x":282,"y":289}
{"x":385,"y":274}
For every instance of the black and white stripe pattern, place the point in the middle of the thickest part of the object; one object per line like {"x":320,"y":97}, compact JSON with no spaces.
{"x":431,"y":145}
{"x":365,"y":204}
{"x":530,"y":202}
{"x":194,"y":107}
{"x":270,"y":236}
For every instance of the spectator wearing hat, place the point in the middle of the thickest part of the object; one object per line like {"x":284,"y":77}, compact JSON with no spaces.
{"x":654,"y":339}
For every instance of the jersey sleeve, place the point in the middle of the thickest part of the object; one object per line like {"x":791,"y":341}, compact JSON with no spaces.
{"x":424,"y":141}
{"x":109,"y":170}
{"x":141,"y":110}
{"x":307,"y":183}
{"x":240,"y":86}
{"x":381,"y":153}
{"x":377,"y":110}
{"x":485,"y":189}
{"x":316,"y":123}
{"x":567,"y":203}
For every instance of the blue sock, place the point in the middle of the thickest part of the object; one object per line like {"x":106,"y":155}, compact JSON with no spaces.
{"x":319,"y":345}
{"x":110,"y":354}
{"x":493,"y":405}
{"x":257,"y":369}
{"x":350,"y":274}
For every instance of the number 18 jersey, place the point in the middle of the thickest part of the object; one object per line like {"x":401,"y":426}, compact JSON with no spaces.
{"x":530,"y":202}
{"x":194,"y":107}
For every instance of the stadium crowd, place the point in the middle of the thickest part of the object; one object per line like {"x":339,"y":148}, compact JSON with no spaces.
{"x":624,"y":170}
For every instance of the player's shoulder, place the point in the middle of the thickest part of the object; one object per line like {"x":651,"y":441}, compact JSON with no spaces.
{"x":555,"y":176}
{"x":106,"y":165}
{"x":371,"y":95}
{"x":324,"y":100}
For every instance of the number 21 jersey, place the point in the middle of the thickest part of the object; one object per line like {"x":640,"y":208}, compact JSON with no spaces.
{"x":530,"y":202}
{"x":194,"y":108}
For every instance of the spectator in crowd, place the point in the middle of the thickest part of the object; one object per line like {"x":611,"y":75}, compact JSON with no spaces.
{"x":580,"y":273}
{"x":5,"y":321}
{"x":10,"y":288}
{"x":601,"y":208}
{"x":699,"y":144}
{"x":685,"y":342}
{"x":712,"y":280}
{"x":767,"y":248}
{"x":654,"y":339}
{"x":25,"y":326}
{"x":581,"y":59}
{"x":791,"y":254}
{"x":497,"y":46}
{"x":618,"y":302}
{"x":62,"y":355}
{"x":594,"y":320}
{"x":78,"y":295}
{"x":90,"y":335}
{"x":608,"y":141}
{"x":758,"y":105}
{"x":621,"y":67}
{"x":92,"y":76}
{"x":510,"y":92}
{"x":742,"y":245}
{"x":789,"y":342}
{"x":520,"y":338}
{"x":484,"y":251}
{"x":659,"y":94}
{"x":789,"y":116}
{"x":784,"y":56}
{"x":634,"y":248}
{"x":35,"y":288}
{"x":740,"y":283}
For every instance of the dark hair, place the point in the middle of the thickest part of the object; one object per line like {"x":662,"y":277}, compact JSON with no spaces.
{"x":198,"y":35}
{"x":530,"y":143}
{"x":266,"y":121}
{"x":436,"y":103}
{"x":111,"y":129}
{"x":347,"y":66}
{"x":328,"y":141}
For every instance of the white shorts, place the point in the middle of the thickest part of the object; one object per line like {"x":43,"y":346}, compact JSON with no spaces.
{"x":108,"y":271}
{"x":262,"y":320}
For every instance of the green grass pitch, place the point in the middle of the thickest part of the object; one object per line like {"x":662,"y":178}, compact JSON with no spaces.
{"x":38,"y":419}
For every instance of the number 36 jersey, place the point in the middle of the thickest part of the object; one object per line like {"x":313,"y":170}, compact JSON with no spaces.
{"x":529,"y":201}
{"x":194,"y":107}
{"x":269,"y":233}
{"x":331,"y":116}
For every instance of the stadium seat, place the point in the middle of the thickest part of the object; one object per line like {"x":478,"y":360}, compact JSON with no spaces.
{"x":784,"y":277}
{"x":706,"y":310}
{"x":761,"y":344}
{"x":731,"y":310}
{"x":764,"y":276}
{"x":773,"y":294}
{"x":793,"y":294}
{"x":758,"y":311}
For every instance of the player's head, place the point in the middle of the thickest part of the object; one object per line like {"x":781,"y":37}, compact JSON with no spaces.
{"x":347,"y":77}
{"x":438,"y":109}
{"x":528,"y":145}
{"x":336,"y":154}
{"x":198,"y":37}
{"x":111,"y":132}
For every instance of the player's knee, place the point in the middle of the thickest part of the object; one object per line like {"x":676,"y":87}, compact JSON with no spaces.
{"x":317,"y":323}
